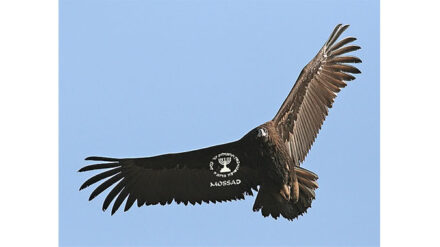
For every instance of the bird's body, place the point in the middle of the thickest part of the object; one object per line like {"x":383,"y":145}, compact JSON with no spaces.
{"x":280,"y":191}
{"x":267,"y":159}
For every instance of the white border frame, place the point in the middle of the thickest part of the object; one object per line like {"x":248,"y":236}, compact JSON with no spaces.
{"x":409,"y":123}
{"x":29,"y":124}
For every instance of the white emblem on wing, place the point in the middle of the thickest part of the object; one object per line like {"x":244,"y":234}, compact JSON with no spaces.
{"x":224,"y":165}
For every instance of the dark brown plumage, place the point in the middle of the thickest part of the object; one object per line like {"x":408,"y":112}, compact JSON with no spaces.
{"x":267,"y":159}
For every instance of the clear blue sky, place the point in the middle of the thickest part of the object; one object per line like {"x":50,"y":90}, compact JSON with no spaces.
{"x":141,"y":78}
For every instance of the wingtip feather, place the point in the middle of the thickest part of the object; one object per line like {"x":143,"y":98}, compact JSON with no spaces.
{"x":100,"y":158}
{"x":113,"y":211}
{"x":83,"y":186}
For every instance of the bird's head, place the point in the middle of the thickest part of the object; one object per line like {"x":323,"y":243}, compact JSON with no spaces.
{"x":263,"y":134}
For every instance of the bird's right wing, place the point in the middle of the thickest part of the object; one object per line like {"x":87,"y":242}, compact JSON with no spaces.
{"x":215,"y":174}
{"x":301,"y":116}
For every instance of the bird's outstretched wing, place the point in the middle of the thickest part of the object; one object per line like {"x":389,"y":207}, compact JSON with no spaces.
{"x":301,"y":116}
{"x":189,"y":177}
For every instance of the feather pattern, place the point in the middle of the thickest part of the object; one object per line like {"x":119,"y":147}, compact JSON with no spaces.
{"x":303,"y":112}
{"x":180,"y":177}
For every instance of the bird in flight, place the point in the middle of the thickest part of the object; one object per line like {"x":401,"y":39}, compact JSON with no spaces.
{"x":266,"y":160}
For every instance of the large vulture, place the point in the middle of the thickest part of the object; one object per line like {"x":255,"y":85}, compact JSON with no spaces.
{"x":267,"y":159}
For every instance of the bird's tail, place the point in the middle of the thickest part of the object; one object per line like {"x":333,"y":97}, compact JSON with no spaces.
{"x":271,"y":202}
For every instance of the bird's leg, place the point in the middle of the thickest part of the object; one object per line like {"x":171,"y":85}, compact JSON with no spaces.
{"x":295,"y":190}
{"x":293,"y":181}
{"x":291,"y":190}
{"x":285,"y":192}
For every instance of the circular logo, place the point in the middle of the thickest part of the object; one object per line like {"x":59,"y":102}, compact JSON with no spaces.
{"x":224,"y":165}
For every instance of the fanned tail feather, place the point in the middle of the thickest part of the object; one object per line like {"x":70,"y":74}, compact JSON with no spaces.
{"x":270,"y":201}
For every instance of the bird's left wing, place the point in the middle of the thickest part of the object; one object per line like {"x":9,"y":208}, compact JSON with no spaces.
{"x":301,"y":116}
{"x":215,"y":174}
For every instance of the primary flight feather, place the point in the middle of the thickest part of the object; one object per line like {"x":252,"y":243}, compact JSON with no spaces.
{"x":267,"y":159}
